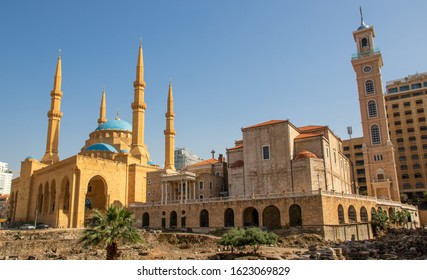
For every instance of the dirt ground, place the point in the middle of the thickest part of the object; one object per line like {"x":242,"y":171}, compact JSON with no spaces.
{"x":63,"y":244}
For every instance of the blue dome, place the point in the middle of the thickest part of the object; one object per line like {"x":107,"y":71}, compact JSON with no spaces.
{"x":124,"y":151}
{"x":101,"y":147}
{"x":115,"y":125}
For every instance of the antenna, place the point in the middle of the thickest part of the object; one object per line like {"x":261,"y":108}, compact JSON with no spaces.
{"x":349,"y":131}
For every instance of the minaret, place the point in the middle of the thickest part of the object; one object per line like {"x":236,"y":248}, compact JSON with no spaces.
{"x":170,"y":133}
{"x":138,"y":148}
{"x":102,"y":109}
{"x":378,"y":150}
{"x":54,"y":115}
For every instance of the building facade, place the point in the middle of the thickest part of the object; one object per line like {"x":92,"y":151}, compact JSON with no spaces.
{"x":5,"y":178}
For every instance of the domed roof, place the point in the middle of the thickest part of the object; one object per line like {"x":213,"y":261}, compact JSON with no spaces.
{"x":101,"y":147}
{"x":305,"y":154}
{"x":363,"y":26}
{"x":116,"y":124}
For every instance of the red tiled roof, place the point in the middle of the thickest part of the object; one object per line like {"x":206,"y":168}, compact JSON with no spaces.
{"x":235,"y":148}
{"x":308,"y":135}
{"x":265,"y":123}
{"x":205,"y":162}
{"x":311,"y":127}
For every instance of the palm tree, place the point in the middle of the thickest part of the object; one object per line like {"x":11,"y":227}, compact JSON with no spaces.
{"x":110,"y":231}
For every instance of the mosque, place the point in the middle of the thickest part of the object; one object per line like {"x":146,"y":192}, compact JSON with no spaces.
{"x":278,"y":175}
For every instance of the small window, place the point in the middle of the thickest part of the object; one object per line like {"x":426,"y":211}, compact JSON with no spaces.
{"x":401,"y":149}
{"x":419,"y":101}
{"x":404,"y":88}
{"x":346,"y":148}
{"x":413,"y":148}
{"x":397,"y":123}
{"x":210,"y":185}
{"x":399,"y":140}
{"x":369,"y":87}
{"x":409,"y":121}
{"x":398,"y":131}
{"x":402,"y":158}
{"x":405,"y":176}
{"x":423,"y":128}
{"x":375,"y":134}
{"x":406,"y":104}
{"x":201,"y":185}
{"x":364,"y":43}
{"x":395,"y":106}
{"x":418,"y":175}
{"x":415,"y":86}
{"x":419,"y":185}
{"x":408,"y":112}
{"x":422,"y":119}
{"x":415,"y":157}
{"x":265,"y":152}
{"x":357,"y":146}
{"x":406,"y":185}
{"x":412,"y":138}
{"x":411,"y":129}
{"x":372,"y":109}
{"x":396,"y":114}
{"x":392,"y":90}
{"x":403,"y":167}
{"x":416,"y":166}
{"x":420,"y":110}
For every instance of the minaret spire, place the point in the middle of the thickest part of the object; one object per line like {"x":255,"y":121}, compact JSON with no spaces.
{"x":103,"y":109}
{"x":361,"y":16}
{"x":170,"y":133}
{"x":54,"y":115}
{"x":138,"y":148}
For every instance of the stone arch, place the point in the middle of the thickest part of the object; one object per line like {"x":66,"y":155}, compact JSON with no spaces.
{"x":40,"y":199}
{"x":341,"y":217}
{"x":352,"y":216}
{"x":229,"y":217}
{"x":46,"y":199}
{"x":364,"y":215}
{"x":65,"y":194}
{"x":173,"y":219}
{"x":96,"y":197}
{"x":271,"y":217}
{"x":295,"y":215}
{"x":145,"y":220}
{"x":52,"y":198}
{"x":204,"y":218}
{"x":250,"y":217}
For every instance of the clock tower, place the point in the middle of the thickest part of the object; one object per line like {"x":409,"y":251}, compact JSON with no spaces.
{"x":378,"y":150}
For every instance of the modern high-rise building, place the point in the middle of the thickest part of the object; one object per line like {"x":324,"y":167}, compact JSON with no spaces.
{"x":185,"y":157}
{"x":5,"y":178}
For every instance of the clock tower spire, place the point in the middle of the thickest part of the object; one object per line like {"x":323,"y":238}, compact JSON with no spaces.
{"x":378,"y":150}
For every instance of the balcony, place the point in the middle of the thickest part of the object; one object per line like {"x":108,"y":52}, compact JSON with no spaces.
{"x":362,"y":54}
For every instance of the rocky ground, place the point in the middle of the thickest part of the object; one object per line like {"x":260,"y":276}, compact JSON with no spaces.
{"x":63,"y":244}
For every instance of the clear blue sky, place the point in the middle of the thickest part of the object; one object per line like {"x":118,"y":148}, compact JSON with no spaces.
{"x":233,"y":64}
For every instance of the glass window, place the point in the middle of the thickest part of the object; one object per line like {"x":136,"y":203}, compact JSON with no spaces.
{"x":375,"y":134}
{"x":392,"y":90}
{"x":265,"y":152}
{"x":419,"y":101}
{"x":397,"y":114}
{"x":420,"y":110}
{"x":411,"y":129}
{"x":395,"y":106}
{"x":418,"y":175}
{"x":397,"y":123}
{"x":406,"y":104}
{"x":372,"y":109}
{"x":405,"y":176}
{"x":404,"y":88}
{"x":346,"y":148}
{"x":422,"y":119}
{"x":369,"y":87}
{"x":419,"y":185}
{"x":402,"y":158}
{"x":409,"y":121}
{"x":408,"y":112}
{"x":403,"y":167}
{"x":406,"y":185}
{"x":364,"y":43}
{"x":416,"y":166}
{"x":415,"y":86}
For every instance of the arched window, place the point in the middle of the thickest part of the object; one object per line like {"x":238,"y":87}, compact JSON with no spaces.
{"x":375,"y":134}
{"x":372,"y":109}
{"x":204,"y":218}
{"x":295,"y":215}
{"x":145,"y":220}
{"x":352,"y":218}
{"x":369,"y":87}
{"x":364,"y":43}
{"x":341,"y":219}
{"x":363,"y":215}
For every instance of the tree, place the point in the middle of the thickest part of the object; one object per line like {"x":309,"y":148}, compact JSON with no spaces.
{"x":380,"y":220}
{"x":232,"y":238}
{"x":254,"y":236}
{"x":115,"y":228}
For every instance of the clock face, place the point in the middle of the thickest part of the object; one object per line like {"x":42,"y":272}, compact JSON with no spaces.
{"x":367,"y":69}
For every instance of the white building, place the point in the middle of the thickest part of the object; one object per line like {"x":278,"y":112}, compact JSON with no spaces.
{"x":5,"y":178}
{"x":184,"y":157}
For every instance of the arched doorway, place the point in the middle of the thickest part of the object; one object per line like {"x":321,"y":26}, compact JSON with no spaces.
{"x":96,"y":197}
{"x":204,"y":218}
{"x":295,"y":216}
{"x":229,"y":218}
{"x":271,"y":217}
{"x":250,"y":217}
{"x":145,"y":220}
{"x":173,"y":220}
